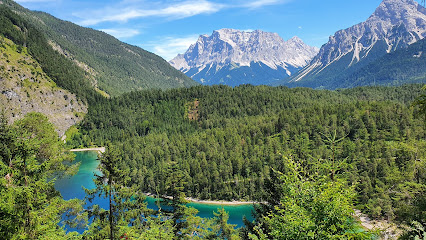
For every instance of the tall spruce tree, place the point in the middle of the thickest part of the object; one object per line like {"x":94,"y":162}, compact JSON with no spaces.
{"x":126,"y":206}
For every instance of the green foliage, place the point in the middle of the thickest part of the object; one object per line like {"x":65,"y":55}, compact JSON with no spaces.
{"x":242,"y":132}
{"x":234,"y":150}
{"x":420,"y":102}
{"x":416,"y":231}
{"x":225,"y":230}
{"x":31,"y":158}
{"x":312,"y":207}
{"x":126,"y":204}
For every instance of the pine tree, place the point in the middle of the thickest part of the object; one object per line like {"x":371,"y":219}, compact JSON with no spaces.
{"x":175,"y":197}
{"x":126,"y":205}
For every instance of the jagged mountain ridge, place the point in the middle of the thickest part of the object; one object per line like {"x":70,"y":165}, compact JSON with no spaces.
{"x":395,"y":24}
{"x":236,"y":57}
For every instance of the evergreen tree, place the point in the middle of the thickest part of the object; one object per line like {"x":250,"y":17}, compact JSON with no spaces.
{"x":420,"y":102}
{"x":225,"y":230}
{"x":32,"y":156}
{"x":311,"y":206}
{"x":125,"y":204}
{"x":175,"y":198}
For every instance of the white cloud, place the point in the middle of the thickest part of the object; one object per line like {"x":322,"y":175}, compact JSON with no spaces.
{"x":261,"y":3}
{"x":170,"y":47}
{"x":34,"y":1}
{"x":176,"y":11}
{"x":121,"y":33}
{"x":130,"y":9}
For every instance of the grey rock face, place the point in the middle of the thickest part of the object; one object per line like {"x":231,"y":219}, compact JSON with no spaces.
{"x":229,"y":48}
{"x":397,"y":23}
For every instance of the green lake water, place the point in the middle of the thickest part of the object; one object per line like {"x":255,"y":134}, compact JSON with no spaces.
{"x":72,"y":188}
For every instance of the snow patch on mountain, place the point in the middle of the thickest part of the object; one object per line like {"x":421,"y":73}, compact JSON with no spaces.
{"x":398,"y":23}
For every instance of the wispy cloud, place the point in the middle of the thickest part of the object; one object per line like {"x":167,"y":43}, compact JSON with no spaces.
{"x":130,"y":9}
{"x":122,"y":33}
{"x":34,"y":1}
{"x":175,"y":11}
{"x":261,"y":3}
{"x":170,"y":47}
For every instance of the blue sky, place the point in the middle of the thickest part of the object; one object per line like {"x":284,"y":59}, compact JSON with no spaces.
{"x":168,"y":27}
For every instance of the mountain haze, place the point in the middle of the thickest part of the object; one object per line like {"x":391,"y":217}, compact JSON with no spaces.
{"x":396,"y":24}
{"x":234,"y":57}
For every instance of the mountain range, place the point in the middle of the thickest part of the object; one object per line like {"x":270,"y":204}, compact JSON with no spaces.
{"x":234,"y":57}
{"x":377,"y":51}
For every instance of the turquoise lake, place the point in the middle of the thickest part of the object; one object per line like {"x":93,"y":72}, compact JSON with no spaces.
{"x":72,"y":188}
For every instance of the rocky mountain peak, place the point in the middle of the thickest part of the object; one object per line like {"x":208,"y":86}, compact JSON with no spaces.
{"x":394,"y":12}
{"x":227,"y":46}
{"x":233,"y":49}
{"x":395,"y":24}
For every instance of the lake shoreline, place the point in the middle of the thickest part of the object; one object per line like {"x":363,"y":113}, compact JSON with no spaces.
{"x":98,"y":149}
{"x":190,"y":199}
{"x":212,"y":202}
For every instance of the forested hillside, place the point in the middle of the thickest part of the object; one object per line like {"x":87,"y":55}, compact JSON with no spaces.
{"x":34,"y":77}
{"x":238,"y":136}
{"x":111,"y":65}
{"x":62,"y":71}
{"x":309,"y":156}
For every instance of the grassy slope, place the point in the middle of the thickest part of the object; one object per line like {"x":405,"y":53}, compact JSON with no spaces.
{"x":26,"y":88}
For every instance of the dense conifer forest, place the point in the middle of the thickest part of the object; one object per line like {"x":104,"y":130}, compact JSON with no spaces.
{"x":228,"y":142}
{"x":309,"y":156}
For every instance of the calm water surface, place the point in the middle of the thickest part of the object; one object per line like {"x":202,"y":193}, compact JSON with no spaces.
{"x":72,"y":188}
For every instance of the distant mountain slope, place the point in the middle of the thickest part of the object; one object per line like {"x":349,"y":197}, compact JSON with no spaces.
{"x":112,"y":66}
{"x":233,"y":57}
{"x":394,"y":25}
{"x":407,"y":65}
{"x":25,"y":87}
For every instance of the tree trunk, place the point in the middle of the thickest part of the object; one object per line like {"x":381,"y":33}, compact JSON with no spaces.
{"x":111,"y":225}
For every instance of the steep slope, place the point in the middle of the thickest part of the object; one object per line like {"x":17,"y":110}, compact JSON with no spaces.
{"x":406,"y":65}
{"x":394,"y":25}
{"x":111,"y":65}
{"x":233,"y":57}
{"x":26,"y":88}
